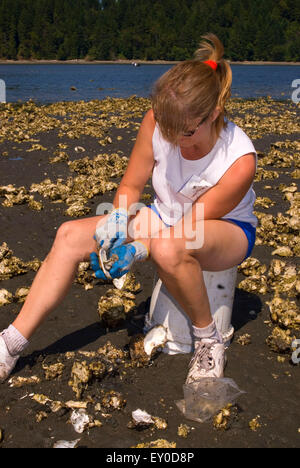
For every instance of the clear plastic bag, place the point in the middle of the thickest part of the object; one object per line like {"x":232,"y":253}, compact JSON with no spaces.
{"x":204,"y":398}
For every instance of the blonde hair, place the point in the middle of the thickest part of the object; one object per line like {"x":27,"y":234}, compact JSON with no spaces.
{"x":193,"y":89}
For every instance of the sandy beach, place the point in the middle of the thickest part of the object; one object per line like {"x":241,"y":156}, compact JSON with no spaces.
{"x":29,"y":137}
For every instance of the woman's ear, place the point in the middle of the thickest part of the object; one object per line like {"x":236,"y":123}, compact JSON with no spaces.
{"x":215,"y":114}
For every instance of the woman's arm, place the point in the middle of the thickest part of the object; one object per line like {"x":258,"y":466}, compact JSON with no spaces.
{"x":220,"y":199}
{"x":230,"y":189}
{"x":140,"y":166}
{"x":217,"y":201}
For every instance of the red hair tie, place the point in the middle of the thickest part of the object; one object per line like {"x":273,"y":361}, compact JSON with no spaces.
{"x":212,"y":64}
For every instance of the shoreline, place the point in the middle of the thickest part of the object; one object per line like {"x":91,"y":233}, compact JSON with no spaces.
{"x":126,"y":62}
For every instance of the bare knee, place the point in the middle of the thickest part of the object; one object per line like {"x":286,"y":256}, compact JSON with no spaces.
{"x":72,"y":237}
{"x":168,"y":254}
{"x":66,"y":234}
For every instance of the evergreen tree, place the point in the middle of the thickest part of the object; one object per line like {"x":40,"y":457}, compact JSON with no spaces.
{"x":148,"y":29}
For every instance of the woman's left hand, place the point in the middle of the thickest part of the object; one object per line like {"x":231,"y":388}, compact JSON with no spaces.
{"x":127,"y":254}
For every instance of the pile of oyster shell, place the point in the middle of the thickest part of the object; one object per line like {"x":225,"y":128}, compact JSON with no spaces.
{"x":281,"y":278}
{"x":116,"y":304}
{"x":89,"y":374}
{"x":11,"y":266}
{"x":93,"y":178}
{"x":73,"y":120}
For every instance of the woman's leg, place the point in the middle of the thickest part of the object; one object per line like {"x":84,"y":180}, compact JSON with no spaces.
{"x":73,"y":244}
{"x":181,"y":269}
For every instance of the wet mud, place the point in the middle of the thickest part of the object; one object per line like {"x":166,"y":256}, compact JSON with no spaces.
{"x":57,"y":163}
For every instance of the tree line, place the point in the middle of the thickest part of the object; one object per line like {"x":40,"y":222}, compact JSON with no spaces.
{"x":148,"y":29}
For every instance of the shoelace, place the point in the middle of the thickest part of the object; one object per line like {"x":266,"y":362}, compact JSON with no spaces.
{"x":203,"y":357}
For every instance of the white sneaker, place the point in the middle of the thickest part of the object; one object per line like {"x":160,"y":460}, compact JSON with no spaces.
{"x":7,"y":362}
{"x":208,"y":360}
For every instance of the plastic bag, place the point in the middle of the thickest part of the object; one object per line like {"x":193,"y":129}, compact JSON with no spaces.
{"x":202,"y":399}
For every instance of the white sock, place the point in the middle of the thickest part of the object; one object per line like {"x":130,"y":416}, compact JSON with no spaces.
{"x":210,"y":332}
{"x":14,"y":340}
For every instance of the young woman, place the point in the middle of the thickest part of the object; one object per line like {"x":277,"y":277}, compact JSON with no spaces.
{"x":202,"y":218}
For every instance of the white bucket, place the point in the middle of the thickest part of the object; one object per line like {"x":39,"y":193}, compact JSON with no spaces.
{"x":166,"y":311}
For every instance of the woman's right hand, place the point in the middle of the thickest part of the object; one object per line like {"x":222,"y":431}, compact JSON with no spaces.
{"x":113,"y":233}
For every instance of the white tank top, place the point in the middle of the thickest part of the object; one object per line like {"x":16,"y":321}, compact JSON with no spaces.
{"x":178,"y":182}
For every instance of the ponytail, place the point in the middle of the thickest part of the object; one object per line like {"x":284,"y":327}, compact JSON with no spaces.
{"x":211,"y":48}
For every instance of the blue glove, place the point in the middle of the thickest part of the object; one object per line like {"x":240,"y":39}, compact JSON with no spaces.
{"x":113,"y":232}
{"x":95,"y":264}
{"x":128,"y":254}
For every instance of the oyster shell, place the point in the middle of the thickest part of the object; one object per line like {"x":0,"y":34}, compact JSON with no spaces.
{"x":12,"y":266}
{"x":159,"y":443}
{"x":111,"y":352}
{"x":76,"y":404}
{"x":285,"y":313}
{"x":255,"y":283}
{"x":254,"y":424}
{"x":113,"y":400}
{"x":65,"y":444}
{"x":114,"y":307}
{"x":84,"y":276}
{"x":55,"y":406}
{"x":80,"y":420}
{"x":53,"y":371}
{"x":21,"y":294}
{"x":183,"y":430}
{"x":252,"y":266}
{"x":284,"y":278}
{"x":143,"y":348}
{"x":18,"y":382}
{"x":59,"y":156}
{"x":141,"y":420}
{"x":265,"y":202}
{"x":280,"y":340}
{"x":98,"y":369}
{"x":80,"y":376}
{"x":244,"y":340}
{"x":40,"y":416}
{"x":5,"y":297}
{"x":79,"y":149}
{"x":283,"y":251}
{"x":222,"y":419}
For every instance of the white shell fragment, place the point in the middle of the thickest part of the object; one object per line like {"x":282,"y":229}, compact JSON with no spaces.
{"x":80,"y":420}
{"x":141,"y":417}
{"x":155,"y":338}
{"x":18,"y":382}
{"x":141,"y":420}
{"x":143,"y":348}
{"x":79,"y":149}
{"x":119,"y":282}
{"x":64,"y":444}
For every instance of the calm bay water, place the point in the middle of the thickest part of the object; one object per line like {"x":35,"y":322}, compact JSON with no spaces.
{"x":47,"y":83}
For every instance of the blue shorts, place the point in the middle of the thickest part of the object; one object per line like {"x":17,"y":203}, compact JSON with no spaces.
{"x":250,"y":232}
{"x":248,"y":229}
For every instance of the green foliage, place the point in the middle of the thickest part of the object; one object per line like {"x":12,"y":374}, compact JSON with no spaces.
{"x":148,"y":29}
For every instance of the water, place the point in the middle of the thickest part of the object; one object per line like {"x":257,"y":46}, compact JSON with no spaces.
{"x":47,"y":83}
